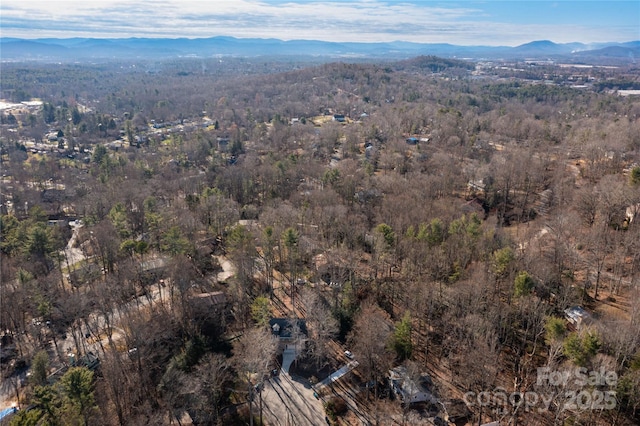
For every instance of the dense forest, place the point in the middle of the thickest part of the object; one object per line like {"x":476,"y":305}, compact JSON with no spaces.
{"x":473,"y":229}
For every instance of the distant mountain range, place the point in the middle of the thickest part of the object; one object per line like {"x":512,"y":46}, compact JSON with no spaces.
{"x":90,"y":49}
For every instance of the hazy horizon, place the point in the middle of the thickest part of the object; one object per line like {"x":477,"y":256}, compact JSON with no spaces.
{"x":488,"y":23}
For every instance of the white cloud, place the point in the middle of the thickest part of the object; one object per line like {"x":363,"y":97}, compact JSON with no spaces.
{"x":367,"y":20}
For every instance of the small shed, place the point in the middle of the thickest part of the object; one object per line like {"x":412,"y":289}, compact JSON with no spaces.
{"x":412,"y":140}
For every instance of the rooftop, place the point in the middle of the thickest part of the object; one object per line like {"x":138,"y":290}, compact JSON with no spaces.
{"x":284,"y":328}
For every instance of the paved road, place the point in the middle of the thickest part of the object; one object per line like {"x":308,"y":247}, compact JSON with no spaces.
{"x":337,"y":374}
{"x":289,"y":402}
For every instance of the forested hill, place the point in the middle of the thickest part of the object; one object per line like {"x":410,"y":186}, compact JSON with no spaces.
{"x":88,"y":49}
{"x":432,"y":64}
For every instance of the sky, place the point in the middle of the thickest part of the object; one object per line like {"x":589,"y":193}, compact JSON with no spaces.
{"x":488,"y":22}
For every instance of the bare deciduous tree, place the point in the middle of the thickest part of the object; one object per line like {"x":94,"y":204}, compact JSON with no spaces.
{"x":253,"y":354}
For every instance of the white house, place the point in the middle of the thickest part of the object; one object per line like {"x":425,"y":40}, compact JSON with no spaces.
{"x":408,"y":389}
